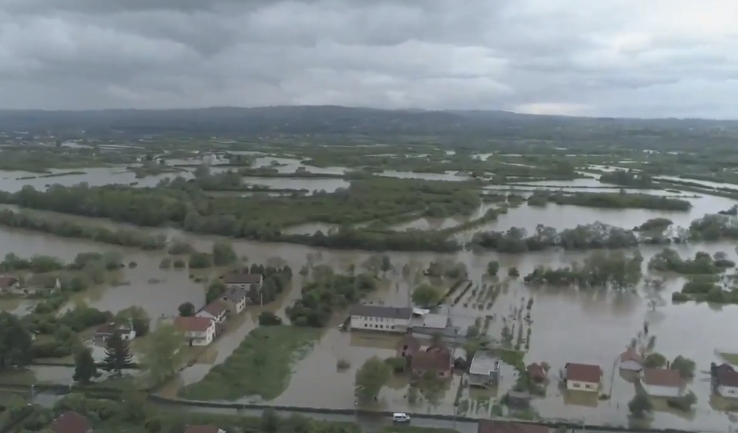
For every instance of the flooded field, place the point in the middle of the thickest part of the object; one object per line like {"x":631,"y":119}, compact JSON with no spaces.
{"x":567,"y":326}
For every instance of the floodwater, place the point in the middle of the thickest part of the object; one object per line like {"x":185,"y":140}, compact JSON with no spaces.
{"x":705,"y":183}
{"x":567,"y":326}
{"x":449,"y":176}
{"x":12,"y":181}
{"x":290,"y":165}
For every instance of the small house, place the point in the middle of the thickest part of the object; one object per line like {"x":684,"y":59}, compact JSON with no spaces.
{"x":198,"y":331}
{"x":631,"y":360}
{"x":380,"y":318}
{"x":662,"y":382}
{"x":8,"y":283}
{"x":724,"y":380}
{"x":235,"y":299}
{"x":243,"y":281}
{"x":435,"y":359}
{"x":484,"y":370}
{"x":536,"y":373}
{"x":107,"y":330}
{"x":582,"y":377}
{"x":215,"y":310}
{"x":203,"y":429}
{"x":71,"y":422}
{"x":499,"y":426}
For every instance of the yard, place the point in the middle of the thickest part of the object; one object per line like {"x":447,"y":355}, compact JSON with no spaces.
{"x":261,"y":365}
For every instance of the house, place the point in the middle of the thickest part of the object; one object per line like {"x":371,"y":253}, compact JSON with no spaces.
{"x":105,"y":331}
{"x":536,"y":373}
{"x":8,"y":283}
{"x":582,"y":377}
{"x":484,"y":370}
{"x":235,"y":299}
{"x":243,"y":281}
{"x":724,"y":380}
{"x":407,"y":347}
{"x":215,"y":311}
{"x":198,"y":331}
{"x":435,"y":359}
{"x":203,"y":429}
{"x":631,"y":360}
{"x":490,"y":426}
{"x":71,"y":422}
{"x":662,"y":382}
{"x":380,"y":318}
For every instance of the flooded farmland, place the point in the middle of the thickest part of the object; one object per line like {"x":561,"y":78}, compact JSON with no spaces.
{"x":567,"y":325}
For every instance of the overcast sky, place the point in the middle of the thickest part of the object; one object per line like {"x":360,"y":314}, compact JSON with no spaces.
{"x":644,"y":58}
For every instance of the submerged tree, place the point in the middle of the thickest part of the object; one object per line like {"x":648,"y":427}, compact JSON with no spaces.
{"x":117,"y":355}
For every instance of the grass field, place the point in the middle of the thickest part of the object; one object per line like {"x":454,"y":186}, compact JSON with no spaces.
{"x":261,"y":365}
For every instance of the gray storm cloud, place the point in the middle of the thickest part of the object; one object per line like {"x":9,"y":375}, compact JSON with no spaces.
{"x":605,"y":58}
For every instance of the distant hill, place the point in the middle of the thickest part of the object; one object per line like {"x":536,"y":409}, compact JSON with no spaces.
{"x":223,"y":121}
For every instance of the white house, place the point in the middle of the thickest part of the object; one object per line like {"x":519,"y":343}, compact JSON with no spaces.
{"x":235,"y":299}
{"x":105,"y":331}
{"x":631,"y":360}
{"x":380,"y":318}
{"x":662,"y":382}
{"x":215,"y":311}
{"x":484,"y":370}
{"x":198,"y":331}
{"x":582,"y":377}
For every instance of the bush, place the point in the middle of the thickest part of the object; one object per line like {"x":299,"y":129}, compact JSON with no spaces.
{"x":343,"y":364}
{"x":132,"y":265}
{"x":166,"y":263}
{"x":513,"y":272}
{"x":179,"y":264}
{"x":200,"y":260}
{"x":267,"y":318}
{"x":398,"y":364}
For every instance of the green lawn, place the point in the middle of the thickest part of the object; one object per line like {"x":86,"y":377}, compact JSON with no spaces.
{"x":730,"y":358}
{"x":261,"y":365}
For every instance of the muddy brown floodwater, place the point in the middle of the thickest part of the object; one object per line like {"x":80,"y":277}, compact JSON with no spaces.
{"x":567,"y":326}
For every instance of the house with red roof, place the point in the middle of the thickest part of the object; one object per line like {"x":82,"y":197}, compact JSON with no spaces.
{"x":198,"y":331}
{"x":582,"y":377}
{"x":71,"y":422}
{"x":662,"y":382}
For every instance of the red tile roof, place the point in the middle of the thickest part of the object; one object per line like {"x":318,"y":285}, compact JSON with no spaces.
{"x":489,"y":426}
{"x":408,"y":345}
{"x":215,"y":308}
{"x":727,"y":377}
{"x":583,"y":372}
{"x":536,"y":372}
{"x":201,"y":429}
{"x":193,"y":324}
{"x":71,"y":422}
{"x":662,"y":377}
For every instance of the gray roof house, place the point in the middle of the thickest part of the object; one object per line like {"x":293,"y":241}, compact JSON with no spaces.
{"x":380,"y":318}
{"x":484,"y":370}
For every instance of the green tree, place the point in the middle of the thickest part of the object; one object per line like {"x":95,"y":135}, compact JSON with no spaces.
{"x":15,"y":342}
{"x":84,"y":367}
{"x":267,"y":318}
{"x":117,"y":355}
{"x":137,"y":317}
{"x":186,"y":309}
{"x":200,"y":260}
{"x":215,"y":290}
{"x":513,"y":272}
{"x":370,"y":378}
{"x":493,"y":267}
{"x":654,"y":360}
{"x":223,"y":253}
{"x":269,"y":422}
{"x":386,"y":264}
{"x":685,"y":366}
{"x":426,"y":295}
{"x":162,"y":354}
{"x":640,"y":405}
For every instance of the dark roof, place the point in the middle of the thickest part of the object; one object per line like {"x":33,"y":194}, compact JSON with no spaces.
{"x":431,"y":361}
{"x":583,"y":372}
{"x":193,"y":324}
{"x":70,"y":422}
{"x":215,"y":308}
{"x":489,"y":426}
{"x":201,"y":429}
{"x":381,"y":311}
{"x":7,"y":281}
{"x":235,"y":294}
{"x":239,"y":278}
{"x":727,"y":377}
{"x":662,"y":377}
{"x":535,"y":371}
{"x":106,"y":329}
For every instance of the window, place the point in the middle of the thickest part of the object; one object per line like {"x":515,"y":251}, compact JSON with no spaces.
{"x":588,"y":386}
{"x":575,"y":385}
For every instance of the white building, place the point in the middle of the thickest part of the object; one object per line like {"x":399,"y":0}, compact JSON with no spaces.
{"x":662,"y":382}
{"x":484,"y":370}
{"x":215,"y":311}
{"x":725,"y":380}
{"x":235,"y":299}
{"x":380,"y":318}
{"x":198,"y":331}
{"x":582,"y":377}
{"x":631,"y":360}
